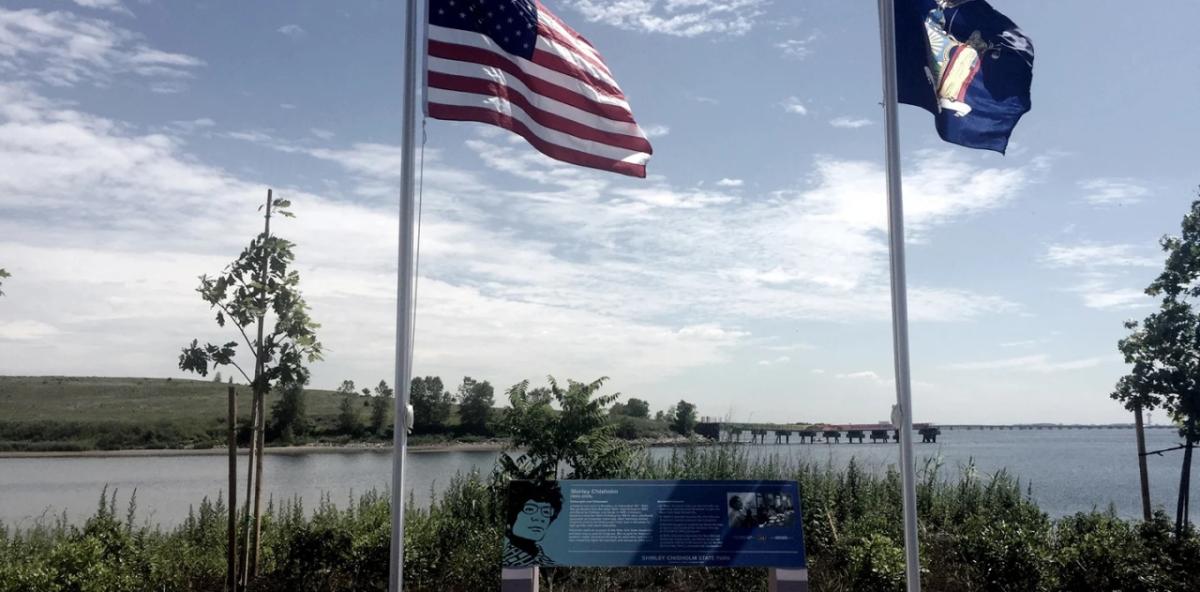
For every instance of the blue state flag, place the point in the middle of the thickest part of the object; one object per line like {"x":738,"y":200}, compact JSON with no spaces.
{"x":967,"y":64}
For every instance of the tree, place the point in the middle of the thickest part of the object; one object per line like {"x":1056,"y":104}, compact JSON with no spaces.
{"x":217,"y":377}
{"x":1164,"y":349}
{"x":683,"y":421}
{"x":578,"y":434}
{"x":637,"y":408}
{"x":3,"y":275}
{"x":475,"y":400}
{"x":257,"y":284}
{"x":289,"y":414}
{"x":348,"y":421}
{"x":381,"y":408}
{"x":618,"y":409}
{"x":431,"y":404}
{"x":347,"y":388}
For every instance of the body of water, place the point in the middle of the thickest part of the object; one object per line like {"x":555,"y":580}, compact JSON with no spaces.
{"x":1068,"y":471}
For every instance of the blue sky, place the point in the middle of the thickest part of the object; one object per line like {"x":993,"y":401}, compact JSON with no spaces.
{"x":748,"y":273}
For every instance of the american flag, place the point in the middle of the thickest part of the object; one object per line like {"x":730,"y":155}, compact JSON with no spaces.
{"x":513,"y":64}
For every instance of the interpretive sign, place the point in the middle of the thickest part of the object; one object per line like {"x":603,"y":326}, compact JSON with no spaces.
{"x":663,"y":523}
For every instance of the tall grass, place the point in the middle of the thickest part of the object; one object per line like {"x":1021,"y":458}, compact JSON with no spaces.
{"x":978,"y":533}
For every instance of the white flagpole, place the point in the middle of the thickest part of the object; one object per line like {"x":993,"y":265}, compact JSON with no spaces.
{"x":902,"y":413}
{"x":405,"y":284}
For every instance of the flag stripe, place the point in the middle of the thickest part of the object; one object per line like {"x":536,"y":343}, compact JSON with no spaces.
{"x":566,"y":89}
{"x":556,"y":55}
{"x":487,"y":115}
{"x":553,"y":69}
{"x":579,"y":42}
{"x":548,"y":113}
{"x":551,"y":136}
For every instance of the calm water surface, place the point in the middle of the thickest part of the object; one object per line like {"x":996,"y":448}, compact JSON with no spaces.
{"x":1068,"y":471}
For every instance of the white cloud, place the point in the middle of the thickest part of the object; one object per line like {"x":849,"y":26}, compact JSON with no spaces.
{"x":118,"y":270}
{"x":1103,"y":272}
{"x":868,"y":376}
{"x":727,"y":182}
{"x":796,"y":49}
{"x":656,"y":131}
{"x":850,"y":122}
{"x":1113,"y":191}
{"x":794,"y":105}
{"x":682,"y":18}
{"x":775,"y":361}
{"x":1039,"y":363}
{"x":287,"y":106}
{"x":113,"y":5}
{"x":323,"y":134}
{"x":1095,"y":255}
{"x":1023,"y":343}
{"x":64,"y":49}
{"x":292,"y":30}
{"x":26,"y":330}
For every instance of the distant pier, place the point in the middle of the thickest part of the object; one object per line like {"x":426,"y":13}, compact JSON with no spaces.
{"x":757,"y":433}
{"x":772,"y":433}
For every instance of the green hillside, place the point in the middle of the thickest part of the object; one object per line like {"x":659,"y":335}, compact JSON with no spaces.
{"x":133,"y":400}
{"x":81,"y":413}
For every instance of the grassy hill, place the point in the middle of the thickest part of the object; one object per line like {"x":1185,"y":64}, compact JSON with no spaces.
{"x":61,"y":413}
{"x":80,"y":413}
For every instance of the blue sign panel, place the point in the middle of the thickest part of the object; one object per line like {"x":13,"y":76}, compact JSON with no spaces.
{"x":631,"y":523}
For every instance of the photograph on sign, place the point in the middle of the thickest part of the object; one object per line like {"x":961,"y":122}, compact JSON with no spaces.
{"x":748,"y":509}
{"x":648,"y":523}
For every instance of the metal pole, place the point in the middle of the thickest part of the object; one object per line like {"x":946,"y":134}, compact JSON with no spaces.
{"x":404,"y":295}
{"x":902,"y":414}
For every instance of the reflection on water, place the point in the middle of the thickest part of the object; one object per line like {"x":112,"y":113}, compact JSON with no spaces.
{"x":1068,"y":471}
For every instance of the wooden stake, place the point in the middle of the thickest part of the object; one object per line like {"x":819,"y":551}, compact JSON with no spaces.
{"x":231,"y":550}
{"x":260,"y":396}
{"x":249,"y":484}
{"x":258,"y":480}
{"x":1141,"y":448}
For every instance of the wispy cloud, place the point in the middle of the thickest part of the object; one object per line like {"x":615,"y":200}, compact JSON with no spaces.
{"x":868,"y":376}
{"x":113,"y":5}
{"x":794,"y":105}
{"x":681,"y":18}
{"x":1113,"y":191}
{"x":292,"y":30}
{"x":656,"y":131}
{"x":775,"y":361}
{"x":727,"y":182}
{"x":796,"y":49}
{"x":1096,"y":255}
{"x":1040,"y":363}
{"x":65,"y":49}
{"x":1102,"y":273}
{"x":850,"y":122}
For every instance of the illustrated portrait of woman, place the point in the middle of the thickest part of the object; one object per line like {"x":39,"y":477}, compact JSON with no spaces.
{"x":532,"y":508}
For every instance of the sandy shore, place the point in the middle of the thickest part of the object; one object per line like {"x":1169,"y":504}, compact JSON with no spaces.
{"x":490,"y":446}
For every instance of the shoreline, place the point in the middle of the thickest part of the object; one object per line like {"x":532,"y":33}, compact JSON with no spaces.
{"x":488,"y":446}
{"x":492,"y":446}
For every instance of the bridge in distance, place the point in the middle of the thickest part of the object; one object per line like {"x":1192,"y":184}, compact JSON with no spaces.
{"x":731,"y":431}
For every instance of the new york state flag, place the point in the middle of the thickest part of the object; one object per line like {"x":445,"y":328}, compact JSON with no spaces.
{"x":968,"y":65}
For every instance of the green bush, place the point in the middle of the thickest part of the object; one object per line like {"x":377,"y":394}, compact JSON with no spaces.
{"x":978,"y":533}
